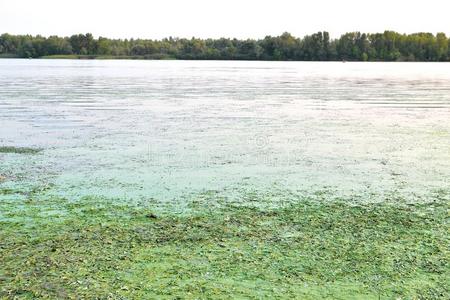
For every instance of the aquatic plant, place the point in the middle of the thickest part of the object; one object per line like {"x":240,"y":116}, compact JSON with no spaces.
{"x":100,"y":248}
{"x":19,"y":150}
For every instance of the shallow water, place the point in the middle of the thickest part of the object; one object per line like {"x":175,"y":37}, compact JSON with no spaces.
{"x":167,"y":129}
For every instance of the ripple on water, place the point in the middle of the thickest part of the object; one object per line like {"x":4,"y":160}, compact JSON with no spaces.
{"x":170,"y":128}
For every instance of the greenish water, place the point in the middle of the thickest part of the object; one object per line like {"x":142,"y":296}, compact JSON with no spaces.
{"x":137,"y":179}
{"x":141,"y":129}
{"x":96,"y":248}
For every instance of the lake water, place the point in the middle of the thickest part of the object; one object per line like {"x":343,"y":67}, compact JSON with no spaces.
{"x":167,"y":130}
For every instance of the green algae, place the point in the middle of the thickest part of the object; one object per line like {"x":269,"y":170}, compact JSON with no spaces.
{"x":19,"y":150}
{"x":100,"y":248}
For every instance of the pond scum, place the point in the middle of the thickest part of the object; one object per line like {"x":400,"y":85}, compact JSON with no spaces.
{"x":19,"y":150}
{"x":97,"y":248}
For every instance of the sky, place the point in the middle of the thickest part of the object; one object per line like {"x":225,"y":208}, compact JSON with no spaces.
{"x":226,"y":18}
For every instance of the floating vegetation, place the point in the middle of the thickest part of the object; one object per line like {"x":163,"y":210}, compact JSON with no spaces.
{"x":93,"y":248}
{"x":19,"y":150}
{"x":7,"y":191}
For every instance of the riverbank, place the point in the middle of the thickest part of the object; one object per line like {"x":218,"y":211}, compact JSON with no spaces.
{"x":99,"y":248}
{"x":352,"y":46}
{"x":73,"y":56}
{"x":169,"y":57}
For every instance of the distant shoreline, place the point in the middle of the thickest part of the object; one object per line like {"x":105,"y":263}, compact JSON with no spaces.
{"x":103,"y":57}
{"x":352,"y":46}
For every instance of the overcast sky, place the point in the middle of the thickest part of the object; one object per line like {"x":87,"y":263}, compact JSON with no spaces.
{"x":226,"y":18}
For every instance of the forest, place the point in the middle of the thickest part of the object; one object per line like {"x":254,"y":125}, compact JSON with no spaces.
{"x":353,"y":46}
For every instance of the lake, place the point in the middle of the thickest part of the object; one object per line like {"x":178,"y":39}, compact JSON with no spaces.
{"x":169,"y":130}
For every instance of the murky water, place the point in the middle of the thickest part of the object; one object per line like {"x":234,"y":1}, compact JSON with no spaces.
{"x":167,"y":129}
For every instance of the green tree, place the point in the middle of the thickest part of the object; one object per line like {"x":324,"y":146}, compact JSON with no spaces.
{"x":386,"y":46}
{"x":442,"y":46}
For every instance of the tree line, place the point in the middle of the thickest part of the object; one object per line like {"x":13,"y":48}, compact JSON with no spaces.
{"x":352,"y":46}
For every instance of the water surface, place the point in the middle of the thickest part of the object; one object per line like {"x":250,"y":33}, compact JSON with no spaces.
{"x":167,"y":129}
